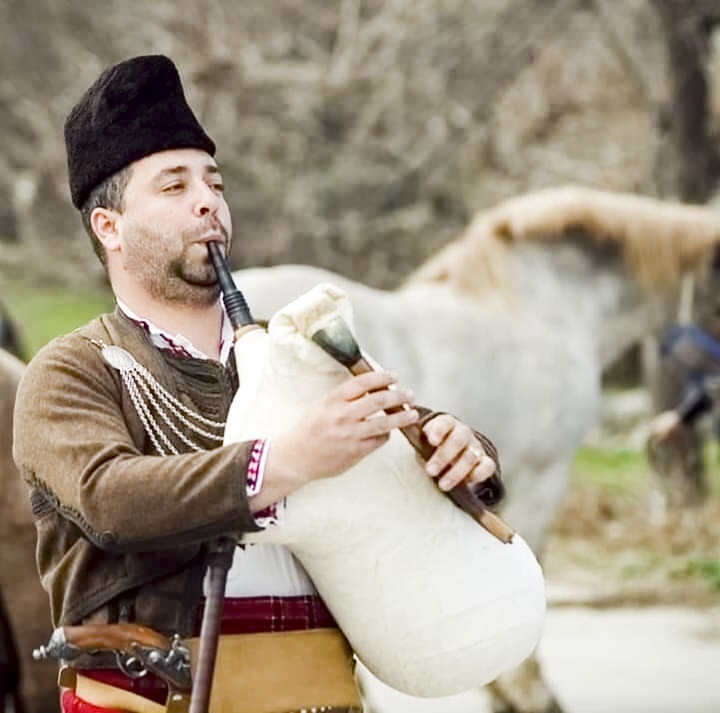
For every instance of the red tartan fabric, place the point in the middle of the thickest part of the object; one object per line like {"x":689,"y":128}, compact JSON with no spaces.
{"x":262,"y":614}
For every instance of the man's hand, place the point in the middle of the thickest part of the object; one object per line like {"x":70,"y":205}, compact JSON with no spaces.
{"x":457,"y":450}
{"x":336,"y":432}
{"x":663,"y":426}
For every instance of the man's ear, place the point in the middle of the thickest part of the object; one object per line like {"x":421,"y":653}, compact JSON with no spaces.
{"x":104,"y":223}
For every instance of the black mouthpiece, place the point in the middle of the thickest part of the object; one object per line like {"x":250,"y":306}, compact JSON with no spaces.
{"x":234,"y":300}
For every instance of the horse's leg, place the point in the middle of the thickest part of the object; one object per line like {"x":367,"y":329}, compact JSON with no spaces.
{"x":379,"y":698}
{"x":532,"y":503}
{"x":523,"y":690}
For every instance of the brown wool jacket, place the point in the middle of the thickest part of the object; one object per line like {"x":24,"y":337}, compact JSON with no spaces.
{"x":121,"y":529}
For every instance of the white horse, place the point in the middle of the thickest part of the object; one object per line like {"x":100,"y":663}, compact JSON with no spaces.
{"x":510,"y":328}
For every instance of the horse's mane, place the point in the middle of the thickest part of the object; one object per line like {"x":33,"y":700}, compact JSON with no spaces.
{"x":659,"y":240}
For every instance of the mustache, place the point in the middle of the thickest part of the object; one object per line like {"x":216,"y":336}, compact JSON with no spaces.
{"x":199,"y":234}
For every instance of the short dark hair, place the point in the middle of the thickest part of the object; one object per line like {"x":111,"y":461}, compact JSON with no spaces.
{"x":109,"y":194}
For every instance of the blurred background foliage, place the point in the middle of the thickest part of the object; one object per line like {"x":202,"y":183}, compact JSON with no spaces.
{"x":361,"y":135}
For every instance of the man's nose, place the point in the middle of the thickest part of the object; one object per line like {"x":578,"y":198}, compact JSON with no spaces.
{"x":207,"y":200}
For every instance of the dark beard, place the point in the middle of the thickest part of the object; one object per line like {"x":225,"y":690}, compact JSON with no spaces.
{"x":198,"y":288}
{"x":185,"y":279}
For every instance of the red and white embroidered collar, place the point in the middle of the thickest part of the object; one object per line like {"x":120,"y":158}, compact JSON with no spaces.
{"x":178,"y":344}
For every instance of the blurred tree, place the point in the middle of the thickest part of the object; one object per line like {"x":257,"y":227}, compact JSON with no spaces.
{"x":358,"y":135}
{"x":687,"y":167}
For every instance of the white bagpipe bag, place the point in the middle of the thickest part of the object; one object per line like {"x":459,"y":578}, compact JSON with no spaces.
{"x":431,"y":602}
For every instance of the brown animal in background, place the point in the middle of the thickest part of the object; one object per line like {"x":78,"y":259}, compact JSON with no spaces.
{"x":26,"y":603}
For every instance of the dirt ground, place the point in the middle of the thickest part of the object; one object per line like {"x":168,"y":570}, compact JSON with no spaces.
{"x":612,"y":550}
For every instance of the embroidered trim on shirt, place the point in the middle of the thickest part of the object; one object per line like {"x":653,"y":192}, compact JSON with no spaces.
{"x":179,"y":345}
{"x":256,"y":466}
{"x":271,"y":514}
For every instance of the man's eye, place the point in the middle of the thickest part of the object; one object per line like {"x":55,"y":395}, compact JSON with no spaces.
{"x":220,"y":187}
{"x":172,"y":187}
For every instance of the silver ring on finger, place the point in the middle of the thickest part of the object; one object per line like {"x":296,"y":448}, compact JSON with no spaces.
{"x":476,"y":452}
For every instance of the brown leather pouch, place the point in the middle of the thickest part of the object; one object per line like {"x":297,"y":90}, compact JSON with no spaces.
{"x":283,"y":671}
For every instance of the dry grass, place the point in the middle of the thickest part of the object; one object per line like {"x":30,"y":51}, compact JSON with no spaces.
{"x":611,"y":547}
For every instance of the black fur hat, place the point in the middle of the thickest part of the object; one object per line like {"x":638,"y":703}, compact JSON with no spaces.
{"x":134,"y":109}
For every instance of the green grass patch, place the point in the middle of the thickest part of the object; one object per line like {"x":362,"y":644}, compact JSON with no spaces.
{"x":620,"y":472}
{"x":707,"y":568}
{"x":627,"y":472}
{"x":42,"y":313}
{"x":712,"y":465}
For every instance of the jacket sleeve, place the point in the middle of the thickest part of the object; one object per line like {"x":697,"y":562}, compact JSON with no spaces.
{"x":698,"y":399}
{"x":72,"y":441}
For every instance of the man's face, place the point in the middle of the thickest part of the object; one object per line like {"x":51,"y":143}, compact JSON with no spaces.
{"x":173,"y":206}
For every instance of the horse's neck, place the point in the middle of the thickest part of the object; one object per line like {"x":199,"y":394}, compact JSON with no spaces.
{"x":562,"y":284}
